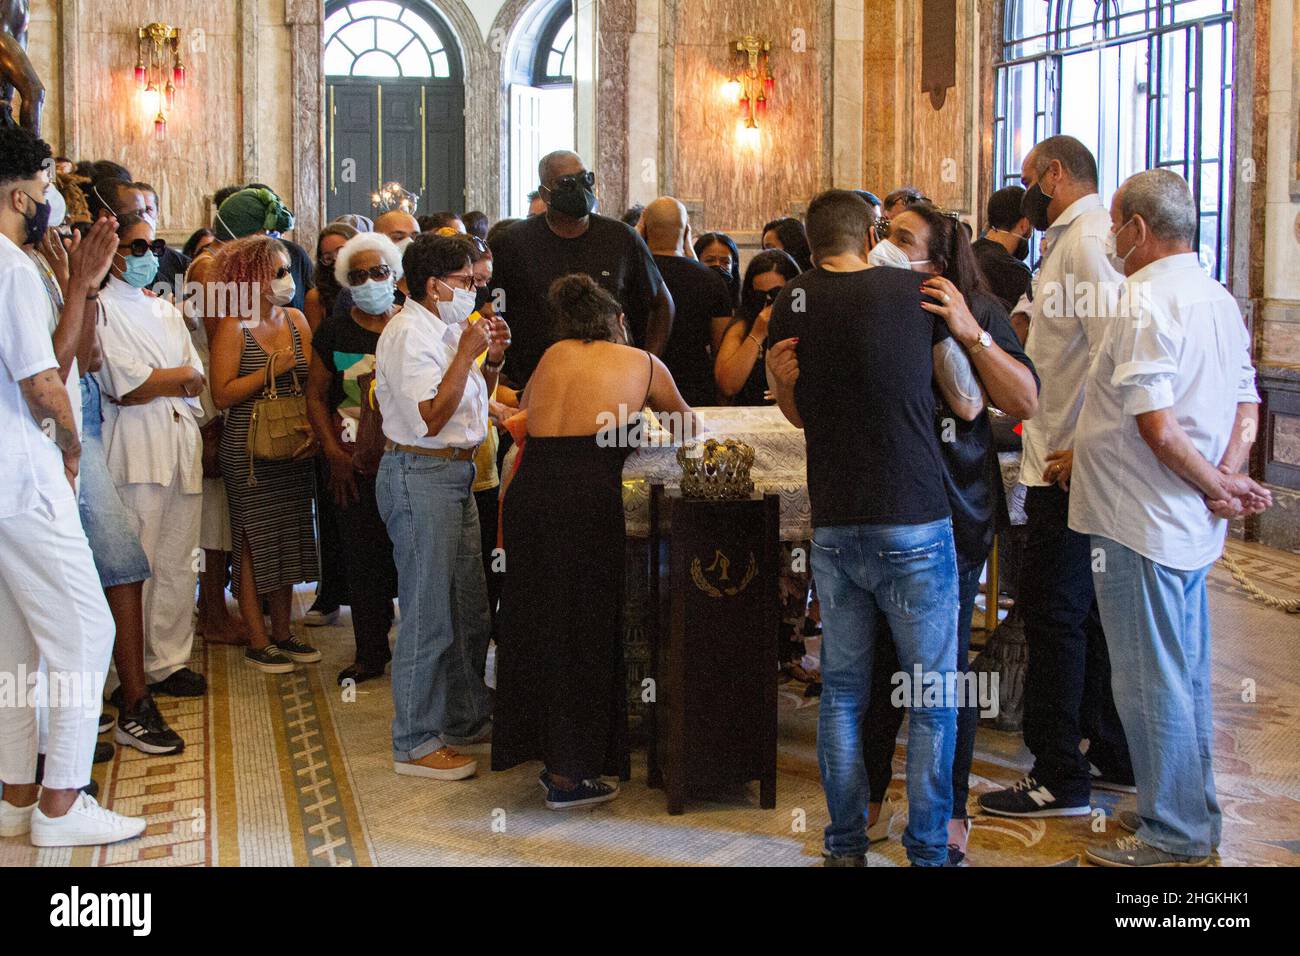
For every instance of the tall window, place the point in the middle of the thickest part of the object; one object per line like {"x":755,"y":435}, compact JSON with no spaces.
{"x":381,"y":38}
{"x":1144,"y":83}
{"x":554,"y":62}
{"x":539,"y":69}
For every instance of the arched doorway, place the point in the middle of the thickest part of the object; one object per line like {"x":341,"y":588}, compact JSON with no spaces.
{"x":539,"y":71}
{"x":394,"y":105}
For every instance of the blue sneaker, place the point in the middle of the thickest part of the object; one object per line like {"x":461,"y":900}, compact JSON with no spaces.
{"x":585,"y":794}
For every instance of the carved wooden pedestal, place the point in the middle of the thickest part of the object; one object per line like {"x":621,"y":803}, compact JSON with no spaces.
{"x":713,"y":635}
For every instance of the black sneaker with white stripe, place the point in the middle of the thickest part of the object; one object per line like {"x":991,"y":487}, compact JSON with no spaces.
{"x":144,"y":729}
{"x":585,"y":794}
{"x":1029,"y":798}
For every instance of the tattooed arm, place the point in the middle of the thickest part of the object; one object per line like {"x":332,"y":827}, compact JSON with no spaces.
{"x":957,"y":381}
{"x":47,"y":398}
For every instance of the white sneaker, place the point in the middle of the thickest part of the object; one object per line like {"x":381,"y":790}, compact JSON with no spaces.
{"x":15,"y":821}
{"x":316,"y":618}
{"x":85,"y":824}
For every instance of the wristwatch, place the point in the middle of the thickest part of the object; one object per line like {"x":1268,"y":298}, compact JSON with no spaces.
{"x":981,"y":343}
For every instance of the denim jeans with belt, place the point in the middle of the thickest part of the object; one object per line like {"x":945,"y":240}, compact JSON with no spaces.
{"x":439,"y":698}
{"x":910,"y":573}
{"x":1157,"y":622}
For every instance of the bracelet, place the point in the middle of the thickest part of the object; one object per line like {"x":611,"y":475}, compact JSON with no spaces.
{"x":92,"y":298}
{"x":494,"y":366}
{"x":757,"y":340}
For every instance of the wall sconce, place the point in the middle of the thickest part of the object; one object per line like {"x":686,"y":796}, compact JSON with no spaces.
{"x":751,"y":84}
{"x":159,"y":72}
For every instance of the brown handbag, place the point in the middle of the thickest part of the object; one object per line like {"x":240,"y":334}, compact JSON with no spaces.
{"x":369,"y":447}
{"x":279,"y":424}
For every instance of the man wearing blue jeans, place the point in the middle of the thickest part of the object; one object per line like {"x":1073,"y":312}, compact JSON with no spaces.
{"x":1169,"y":415}
{"x":854,"y":363}
{"x":434,"y":399}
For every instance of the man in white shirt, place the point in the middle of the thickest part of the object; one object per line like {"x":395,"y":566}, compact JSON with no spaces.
{"x":434,"y":401}
{"x":153,"y":376}
{"x":1169,"y":417}
{"x":51,"y":604}
{"x":1067,"y":685}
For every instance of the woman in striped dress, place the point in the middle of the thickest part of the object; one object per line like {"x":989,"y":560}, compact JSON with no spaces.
{"x":273,"y":540}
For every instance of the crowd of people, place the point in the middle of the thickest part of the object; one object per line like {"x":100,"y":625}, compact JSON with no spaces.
{"x":415,"y":414}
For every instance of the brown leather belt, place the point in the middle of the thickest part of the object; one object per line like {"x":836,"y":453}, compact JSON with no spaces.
{"x":455,"y":454}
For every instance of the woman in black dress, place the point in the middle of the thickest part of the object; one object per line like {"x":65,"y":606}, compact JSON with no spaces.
{"x":739,"y":368}
{"x":560,"y":674}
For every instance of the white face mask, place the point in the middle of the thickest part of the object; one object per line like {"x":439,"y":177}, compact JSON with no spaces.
{"x":1110,"y":246}
{"x":885,"y":253}
{"x":459,"y":309}
{"x":58,"y":207}
{"x":282,"y":290}
{"x":401,"y":246}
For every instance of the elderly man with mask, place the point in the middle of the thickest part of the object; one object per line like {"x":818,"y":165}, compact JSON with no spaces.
{"x":1168,"y":418}
{"x":572,"y":238}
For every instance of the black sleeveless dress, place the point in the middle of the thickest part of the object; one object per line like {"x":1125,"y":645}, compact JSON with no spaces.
{"x":275,"y":515}
{"x":561,"y":679}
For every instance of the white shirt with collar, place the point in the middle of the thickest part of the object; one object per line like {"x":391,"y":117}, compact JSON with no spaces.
{"x":157,"y":442}
{"x":1070,"y":314}
{"x":31,"y":465}
{"x":414,"y":352}
{"x":1188,"y":351}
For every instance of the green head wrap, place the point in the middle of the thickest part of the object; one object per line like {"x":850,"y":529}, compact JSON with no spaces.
{"x":252,"y":210}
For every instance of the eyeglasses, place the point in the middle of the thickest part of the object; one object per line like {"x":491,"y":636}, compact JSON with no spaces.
{"x":138,"y":247}
{"x":462,"y":281}
{"x":378,"y":273}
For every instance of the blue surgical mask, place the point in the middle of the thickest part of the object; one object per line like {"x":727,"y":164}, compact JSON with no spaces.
{"x":139,"y":271}
{"x":375,"y":296}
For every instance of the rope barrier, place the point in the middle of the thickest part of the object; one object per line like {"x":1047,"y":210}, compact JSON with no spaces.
{"x":1263,"y":597}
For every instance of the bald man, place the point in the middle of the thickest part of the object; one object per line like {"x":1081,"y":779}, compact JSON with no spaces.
{"x":701,"y":295}
{"x":401,"y":227}
{"x":571,"y":238}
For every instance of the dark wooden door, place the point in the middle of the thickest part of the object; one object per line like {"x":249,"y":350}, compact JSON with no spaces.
{"x":397,"y":131}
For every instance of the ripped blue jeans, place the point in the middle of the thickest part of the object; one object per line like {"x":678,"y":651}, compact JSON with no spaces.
{"x":909,"y":572}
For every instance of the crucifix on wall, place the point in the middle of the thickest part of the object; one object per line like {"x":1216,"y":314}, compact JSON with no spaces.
{"x":938,"y":49}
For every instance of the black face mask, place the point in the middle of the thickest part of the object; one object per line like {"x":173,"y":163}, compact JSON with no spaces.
{"x":725,"y":273}
{"x":482,"y":297}
{"x":37,"y":222}
{"x":574,"y":200}
{"x":1022,"y":249}
{"x":1034,"y":207}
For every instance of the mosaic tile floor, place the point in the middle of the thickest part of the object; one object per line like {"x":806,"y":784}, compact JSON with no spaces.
{"x":288,"y":771}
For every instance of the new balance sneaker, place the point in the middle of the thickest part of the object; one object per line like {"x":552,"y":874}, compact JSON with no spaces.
{"x":444,"y":764}
{"x":585,"y":794}
{"x":85,"y":824}
{"x":146,"y":731}
{"x":1132,"y":851}
{"x":268,"y":660}
{"x":1029,"y":798}
{"x":297,"y":651}
{"x":183,"y":683}
{"x":321,"y":617}
{"x":15,"y":821}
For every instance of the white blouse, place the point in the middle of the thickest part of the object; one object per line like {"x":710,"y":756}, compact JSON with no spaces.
{"x":158,"y":442}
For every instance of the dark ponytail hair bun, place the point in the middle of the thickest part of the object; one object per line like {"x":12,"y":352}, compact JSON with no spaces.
{"x":581,"y":309}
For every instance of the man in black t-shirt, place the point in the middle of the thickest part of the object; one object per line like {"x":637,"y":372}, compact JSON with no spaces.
{"x":701,"y":296}
{"x":868,"y":358}
{"x":571,"y":238}
{"x":1002,"y":251}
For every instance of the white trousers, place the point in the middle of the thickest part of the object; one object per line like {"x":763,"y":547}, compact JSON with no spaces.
{"x":169,"y":533}
{"x":52,"y":609}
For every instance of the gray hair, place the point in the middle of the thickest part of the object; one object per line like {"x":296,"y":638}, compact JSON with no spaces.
{"x":367,"y":242}
{"x":1164,"y":201}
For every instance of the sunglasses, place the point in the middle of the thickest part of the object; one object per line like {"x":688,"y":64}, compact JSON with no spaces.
{"x":378,"y":273}
{"x":586,"y":180}
{"x":139,"y":247}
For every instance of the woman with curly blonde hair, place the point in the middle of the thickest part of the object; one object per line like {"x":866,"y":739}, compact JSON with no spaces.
{"x":272,"y":532}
